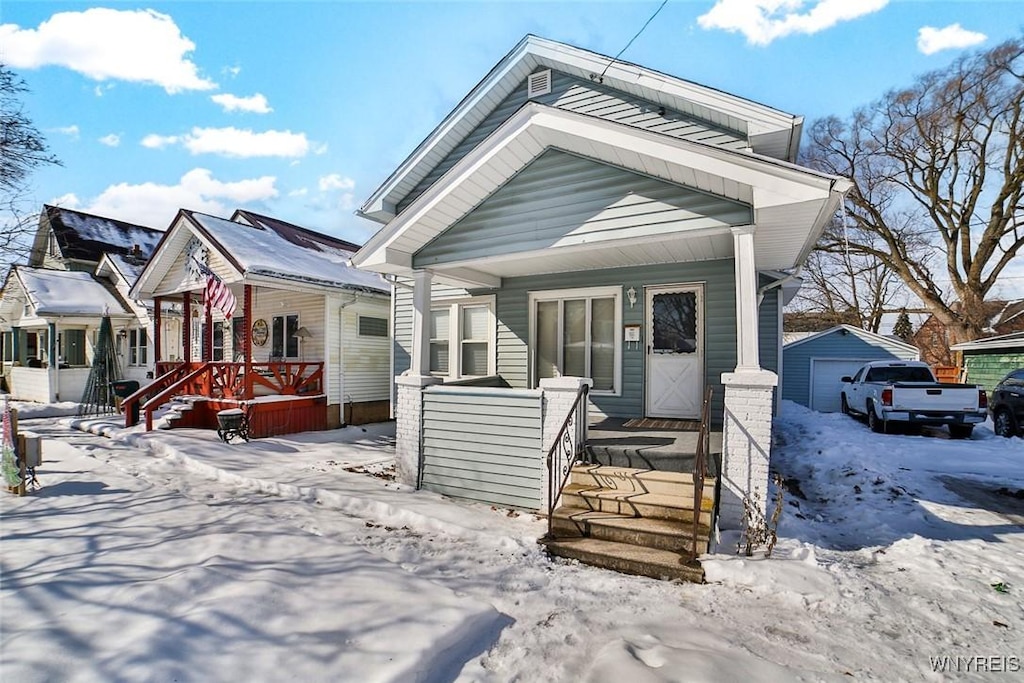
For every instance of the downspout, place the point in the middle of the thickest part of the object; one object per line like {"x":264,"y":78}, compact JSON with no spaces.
{"x":341,"y":356}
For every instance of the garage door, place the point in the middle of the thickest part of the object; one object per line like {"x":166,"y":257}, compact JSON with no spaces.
{"x":826,"y":376}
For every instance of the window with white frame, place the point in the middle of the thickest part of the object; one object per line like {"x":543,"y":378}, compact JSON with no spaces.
{"x":138,"y":347}
{"x":462,"y":338}
{"x":573,"y":334}
{"x":283,"y":342}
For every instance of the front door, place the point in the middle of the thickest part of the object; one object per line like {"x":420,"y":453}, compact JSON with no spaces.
{"x":675,"y":351}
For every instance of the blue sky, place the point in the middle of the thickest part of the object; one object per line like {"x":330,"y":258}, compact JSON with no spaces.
{"x":300,"y":110}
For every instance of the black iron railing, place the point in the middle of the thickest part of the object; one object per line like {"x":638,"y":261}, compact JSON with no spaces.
{"x":700,"y":470}
{"x":569,"y":447}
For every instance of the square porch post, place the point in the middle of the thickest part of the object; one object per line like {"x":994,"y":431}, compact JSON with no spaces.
{"x":157,"y":304}
{"x":746,"y":442}
{"x":186,"y":327}
{"x":410,"y":385}
{"x":247,"y":340}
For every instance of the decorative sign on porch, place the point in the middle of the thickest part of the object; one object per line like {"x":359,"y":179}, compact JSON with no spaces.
{"x":260,"y":332}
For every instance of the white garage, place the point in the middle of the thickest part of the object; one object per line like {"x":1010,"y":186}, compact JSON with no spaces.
{"x":813,"y":367}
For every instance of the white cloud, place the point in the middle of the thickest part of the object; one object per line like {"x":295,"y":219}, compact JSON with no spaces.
{"x":763,"y":21}
{"x":931,"y":40}
{"x":156,"y":205}
{"x":335,"y":182}
{"x":154,"y":141}
{"x":234,"y":142}
{"x":256,"y":104}
{"x":301,"y":192}
{"x":112,"y":140}
{"x":141,"y":46}
{"x":70,"y":131}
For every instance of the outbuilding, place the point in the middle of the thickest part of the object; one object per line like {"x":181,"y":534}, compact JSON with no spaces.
{"x":987,"y":361}
{"x":813,"y":367}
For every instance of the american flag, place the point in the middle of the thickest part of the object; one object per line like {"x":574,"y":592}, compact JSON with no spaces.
{"x":217,"y":294}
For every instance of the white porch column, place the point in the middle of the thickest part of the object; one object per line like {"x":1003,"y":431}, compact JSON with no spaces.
{"x":746,"y":299}
{"x":747,"y":423}
{"x":420,"y":361}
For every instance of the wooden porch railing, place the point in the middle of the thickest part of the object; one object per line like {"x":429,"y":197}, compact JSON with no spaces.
{"x":215,"y":379}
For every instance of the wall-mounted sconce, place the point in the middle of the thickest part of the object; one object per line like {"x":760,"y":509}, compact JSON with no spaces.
{"x":631,"y":296}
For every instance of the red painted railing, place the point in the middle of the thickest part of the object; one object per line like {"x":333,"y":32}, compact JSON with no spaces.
{"x":225,"y":380}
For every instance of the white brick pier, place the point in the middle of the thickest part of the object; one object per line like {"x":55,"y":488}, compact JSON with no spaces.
{"x":746,"y":443}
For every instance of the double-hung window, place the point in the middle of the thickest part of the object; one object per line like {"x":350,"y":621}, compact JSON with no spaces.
{"x":462,"y":338}
{"x":137,"y":347}
{"x":283,"y":342}
{"x":573,"y":334}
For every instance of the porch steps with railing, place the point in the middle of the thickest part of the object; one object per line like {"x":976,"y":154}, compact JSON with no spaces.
{"x":632,"y":520}
{"x":178,"y":411}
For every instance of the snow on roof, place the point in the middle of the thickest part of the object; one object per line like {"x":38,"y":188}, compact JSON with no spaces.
{"x":128,"y":266}
{"x":85,"y":236}
{"x":68,"y":292}
{"x":306,"y":257}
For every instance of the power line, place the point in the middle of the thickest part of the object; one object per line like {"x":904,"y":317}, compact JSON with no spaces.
{"x":600,"y":79}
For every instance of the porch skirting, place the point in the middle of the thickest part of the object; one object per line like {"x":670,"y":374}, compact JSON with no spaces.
{"x":268,"y":417}
{"x":746,"y":445}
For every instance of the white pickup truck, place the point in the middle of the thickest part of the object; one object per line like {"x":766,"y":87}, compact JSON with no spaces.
{"x":907,"y":393}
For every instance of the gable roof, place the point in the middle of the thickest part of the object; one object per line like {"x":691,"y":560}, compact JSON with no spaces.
{"x":1005,"y":341}
{"x":769,"y":131}
{"x":85,"y":237}
{"x":54,"y":293}
{"x":791,"y":202}
{"x":869,"y":337}
{"x":262,"y":249}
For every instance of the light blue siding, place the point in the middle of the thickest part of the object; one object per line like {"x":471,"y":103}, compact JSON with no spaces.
{"x":403,"y":318}
{"x":593,"y":99}
{"x":483,"y":445}
{"x":561,"y":194}
{"x":798,"y":356}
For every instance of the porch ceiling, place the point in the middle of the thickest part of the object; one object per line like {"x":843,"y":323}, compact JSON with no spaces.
{"x":790,"y":203}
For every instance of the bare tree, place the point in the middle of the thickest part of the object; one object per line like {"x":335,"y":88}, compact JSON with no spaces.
{"x":22,"y":149}
{"x":847,"y":285}
{"x":938,"y":171}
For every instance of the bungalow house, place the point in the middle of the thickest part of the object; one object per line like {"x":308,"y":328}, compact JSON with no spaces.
{"x":81,"y":268}
{"x":578,"y":221}
{"x":293,"y":334}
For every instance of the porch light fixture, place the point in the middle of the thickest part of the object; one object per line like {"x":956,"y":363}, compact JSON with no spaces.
{"x":631,"y":296}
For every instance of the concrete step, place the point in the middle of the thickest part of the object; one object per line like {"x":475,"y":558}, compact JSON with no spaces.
{"x":639,"y":480}
{"x":626,"y":558}
{"x":650,"y":505}
{"x":661,"y":534}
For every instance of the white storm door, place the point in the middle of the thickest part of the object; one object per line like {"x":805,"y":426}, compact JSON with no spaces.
{"x":675,"y":351}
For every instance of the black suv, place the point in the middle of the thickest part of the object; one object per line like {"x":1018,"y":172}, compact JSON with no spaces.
{"x":1007,"y":405}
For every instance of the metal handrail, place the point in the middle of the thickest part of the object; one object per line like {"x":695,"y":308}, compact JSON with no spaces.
{"x":569,"y":445}
{"x":700,"y":466}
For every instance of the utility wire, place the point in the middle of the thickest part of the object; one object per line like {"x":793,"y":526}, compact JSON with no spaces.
{"x":600,"y":79}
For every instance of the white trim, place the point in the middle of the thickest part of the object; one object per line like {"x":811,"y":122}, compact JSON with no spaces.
{"x":1003,"y":341}
{"x":588,"y":293}
{"x":863,"y":334}
{"x":455,"y":307}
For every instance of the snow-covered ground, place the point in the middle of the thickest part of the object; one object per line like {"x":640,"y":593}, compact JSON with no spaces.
{"x":170,"y":556}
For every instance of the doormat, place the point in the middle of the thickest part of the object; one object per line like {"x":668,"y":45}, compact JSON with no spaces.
{"x":658,"y":423}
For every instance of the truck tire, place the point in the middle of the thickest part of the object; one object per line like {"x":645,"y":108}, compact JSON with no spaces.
{"x":844,"y":406}
{"x":876,"y":423}
{"x":961,"y":431}
{"x":1002,"y":423}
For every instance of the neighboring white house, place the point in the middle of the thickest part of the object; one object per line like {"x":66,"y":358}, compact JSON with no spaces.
{"x":81,"y":266}
{"x":308,"y":345}
{"x":581,"y":219}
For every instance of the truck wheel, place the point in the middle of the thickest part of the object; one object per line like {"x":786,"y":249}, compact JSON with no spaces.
{"x":1003,"y":424}
{"x":845,"y":407}
{"x":877,"y":424}
{"x":961,"y":431}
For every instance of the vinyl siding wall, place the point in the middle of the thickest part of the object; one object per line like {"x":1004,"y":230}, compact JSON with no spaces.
{"x":988,"y":368}
{"x":796,"y":381}
{"x":560,"y":194}
{"x":365,"y":360}
{"x":593,"y":99}
{"x":483,"y":445}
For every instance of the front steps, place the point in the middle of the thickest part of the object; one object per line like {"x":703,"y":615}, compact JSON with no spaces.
{"x":633,"y":521}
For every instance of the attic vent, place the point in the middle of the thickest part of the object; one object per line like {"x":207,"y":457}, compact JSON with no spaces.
{"x":538,"y":83}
